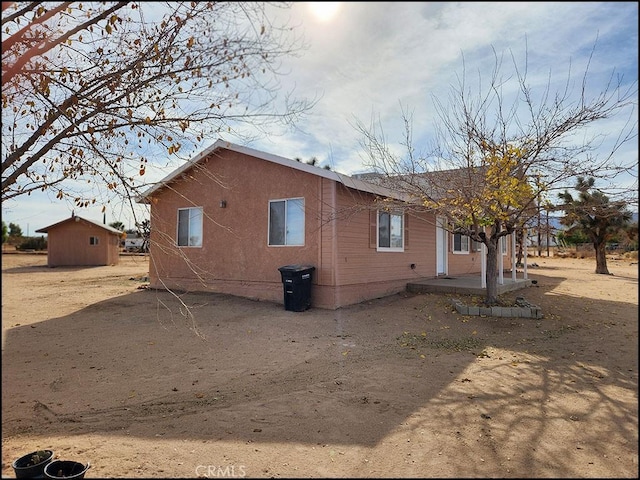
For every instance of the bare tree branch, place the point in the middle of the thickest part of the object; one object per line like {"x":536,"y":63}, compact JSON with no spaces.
{"x":494,"y":163}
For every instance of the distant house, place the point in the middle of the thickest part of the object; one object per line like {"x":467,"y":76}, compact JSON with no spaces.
{"x":229,"y":218}
{"x":77,"y":241}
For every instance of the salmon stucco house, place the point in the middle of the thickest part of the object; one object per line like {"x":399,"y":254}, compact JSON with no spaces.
{"x":228,"y":219}
{"x":77,"y":241}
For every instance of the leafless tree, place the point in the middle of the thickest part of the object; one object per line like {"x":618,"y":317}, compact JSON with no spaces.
{"x":496,"y":159}
{"x":96,"y":92}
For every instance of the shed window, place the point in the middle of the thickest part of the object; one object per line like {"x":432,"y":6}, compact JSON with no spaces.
{"x":390,"y":231}
{"x":94,"y":240}
{"x":286,"y":222}
{"x":190,"y":227}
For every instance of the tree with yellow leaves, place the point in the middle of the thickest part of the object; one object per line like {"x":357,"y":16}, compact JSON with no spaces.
{"x":494,"y":162}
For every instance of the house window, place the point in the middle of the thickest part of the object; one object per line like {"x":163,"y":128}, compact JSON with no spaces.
{"x":390,"y":231}
{"x":94,"y":240}
{"x":190,"y":227}
{"x":460,"y":243}
{"x":286,"y":222}
{"x":503,"y":245}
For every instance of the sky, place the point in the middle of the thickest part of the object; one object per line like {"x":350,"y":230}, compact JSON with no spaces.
{"x":370,"y":59}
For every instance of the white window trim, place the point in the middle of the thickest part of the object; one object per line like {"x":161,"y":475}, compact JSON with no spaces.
{"x":389,"y":249}
{"x":304,"y":222}
{"x":94,"y":241}
{"x":453,"y":244}
{"x":178,"y":227}
{"x":504,"y":246}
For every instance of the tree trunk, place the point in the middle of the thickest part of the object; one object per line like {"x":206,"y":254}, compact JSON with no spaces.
{"x":601,"y":258}
{"x":492,"y":272}
{"x":520,"y":244}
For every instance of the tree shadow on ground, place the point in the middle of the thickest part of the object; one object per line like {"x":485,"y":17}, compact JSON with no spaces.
{"x":351,"y":376}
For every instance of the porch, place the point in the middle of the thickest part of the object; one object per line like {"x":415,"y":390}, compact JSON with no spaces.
{"x":475,"y":284}
{"x":465,"y":284}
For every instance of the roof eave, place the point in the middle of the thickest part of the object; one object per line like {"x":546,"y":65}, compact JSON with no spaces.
{"x":145,"y":198}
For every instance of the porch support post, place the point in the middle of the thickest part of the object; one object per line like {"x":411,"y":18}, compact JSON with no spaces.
{"x":513,"y":257}
{"x":524,"y":246}
{"x":501,"y":262}
{"x":483,"y":265}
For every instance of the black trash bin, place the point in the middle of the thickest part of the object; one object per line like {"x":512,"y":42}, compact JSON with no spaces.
{"x":296,"y":282}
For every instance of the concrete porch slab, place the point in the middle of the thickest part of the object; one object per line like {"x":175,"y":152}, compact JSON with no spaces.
{"x":465,"y":284}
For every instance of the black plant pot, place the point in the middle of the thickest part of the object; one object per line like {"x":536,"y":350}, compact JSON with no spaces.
{"x":24,"y":468}
{"x":64,"y":469}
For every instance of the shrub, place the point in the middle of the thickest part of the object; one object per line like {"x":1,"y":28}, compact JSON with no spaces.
{"x":33,"y":243}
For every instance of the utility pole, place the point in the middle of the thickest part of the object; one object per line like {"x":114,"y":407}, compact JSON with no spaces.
{"x":539,"y":232}
{"x":547,"y":232}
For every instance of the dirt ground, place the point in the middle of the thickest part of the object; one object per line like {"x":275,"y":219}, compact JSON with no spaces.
{"x":143,"y":383}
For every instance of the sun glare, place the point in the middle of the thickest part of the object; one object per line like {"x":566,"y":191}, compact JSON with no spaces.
{"x":324,"y":11}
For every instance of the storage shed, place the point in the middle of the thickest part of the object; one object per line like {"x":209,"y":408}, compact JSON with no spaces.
{"x":77,"y":241}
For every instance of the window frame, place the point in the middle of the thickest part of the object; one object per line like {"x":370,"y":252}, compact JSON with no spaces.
{"x":461,"y":251}
{"x":392,"y":213}
{"x":503,"y":244}
{"x":286,"y":223}
{"x":94,"y":241}
{"x":189,"y":231}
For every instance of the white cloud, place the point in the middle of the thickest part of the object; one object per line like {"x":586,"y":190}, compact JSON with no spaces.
{"x":373,"y":56}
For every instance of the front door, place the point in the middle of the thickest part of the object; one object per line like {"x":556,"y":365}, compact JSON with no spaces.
{"x":441,"y":247}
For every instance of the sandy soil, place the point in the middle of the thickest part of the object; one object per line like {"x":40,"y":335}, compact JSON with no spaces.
{"x":144,"y":383}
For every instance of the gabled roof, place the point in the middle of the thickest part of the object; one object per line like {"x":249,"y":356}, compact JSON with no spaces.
{"x":432,"y":184}
{"x":313,"y":170}
{"x":75,"y":218}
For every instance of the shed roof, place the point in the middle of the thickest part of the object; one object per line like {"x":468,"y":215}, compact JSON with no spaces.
{"x":75,"y":218}
{"x":313,"y":170}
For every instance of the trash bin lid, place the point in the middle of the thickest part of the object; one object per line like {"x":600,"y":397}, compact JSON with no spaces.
{"x":296,"y":268}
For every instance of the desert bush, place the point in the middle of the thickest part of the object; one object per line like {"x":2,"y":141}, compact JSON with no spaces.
{"x":33,"y":243}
